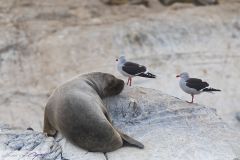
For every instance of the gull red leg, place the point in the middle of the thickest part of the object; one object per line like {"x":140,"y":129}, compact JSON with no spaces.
{"x":130,"y":81}
{"x":192,"y":99}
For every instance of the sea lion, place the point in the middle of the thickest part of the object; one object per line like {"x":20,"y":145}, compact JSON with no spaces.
{"x":76,"y":109}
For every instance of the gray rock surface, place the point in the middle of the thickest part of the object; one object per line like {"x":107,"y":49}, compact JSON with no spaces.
{"x":18,"y":144}
{"x":168,"y":127}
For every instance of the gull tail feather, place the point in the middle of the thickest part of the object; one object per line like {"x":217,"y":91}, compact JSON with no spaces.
{"x":210,"y":90}
{"x":147,"y":75}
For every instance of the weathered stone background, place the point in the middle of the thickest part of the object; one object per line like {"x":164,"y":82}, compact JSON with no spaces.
{"x":43,"y":43}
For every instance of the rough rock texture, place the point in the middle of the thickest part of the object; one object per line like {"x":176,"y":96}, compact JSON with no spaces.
{"x":168,"y":127}
{"x":26,"y":145}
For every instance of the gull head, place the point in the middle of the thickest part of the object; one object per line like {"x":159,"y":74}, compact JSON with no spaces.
{"x":121,"y":59}
{"x":183,"y":75}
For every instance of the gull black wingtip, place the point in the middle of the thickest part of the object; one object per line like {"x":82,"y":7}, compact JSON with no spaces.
{"x":211,"y":89}
{"x":147,"y":75}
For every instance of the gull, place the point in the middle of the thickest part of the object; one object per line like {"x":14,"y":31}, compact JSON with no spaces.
{"x":193,"y":86}
{"x":131,"y":69}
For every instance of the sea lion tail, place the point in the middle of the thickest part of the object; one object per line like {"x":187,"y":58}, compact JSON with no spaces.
{"x":129,"y":141}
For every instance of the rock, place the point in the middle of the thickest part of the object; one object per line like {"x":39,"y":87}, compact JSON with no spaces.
{"x":19,"y":144}
{"x":168,"y":127}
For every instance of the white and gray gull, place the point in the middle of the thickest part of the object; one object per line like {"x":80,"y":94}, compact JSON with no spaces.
{"x":193,"y":86}
{"x":131,"y":69}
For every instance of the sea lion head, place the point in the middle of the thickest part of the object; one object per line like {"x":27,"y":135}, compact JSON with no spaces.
{"x":113,"y":85}
{"x":105,"y":84}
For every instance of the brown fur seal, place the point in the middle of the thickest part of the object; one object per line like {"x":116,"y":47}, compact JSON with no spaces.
{"x":76,"y":110}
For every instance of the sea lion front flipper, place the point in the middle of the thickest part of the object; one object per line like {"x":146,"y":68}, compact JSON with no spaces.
{"x":47,"y":127}
{"x":130,"y":141}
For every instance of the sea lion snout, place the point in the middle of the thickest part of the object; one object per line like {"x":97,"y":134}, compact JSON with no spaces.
{"x":215,"y":2}
{"x":120,"y":85}
{"x":114,"y":87}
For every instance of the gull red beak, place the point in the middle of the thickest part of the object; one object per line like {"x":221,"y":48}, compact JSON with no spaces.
{"x":116,"y":59}
{"x":178,"y":76}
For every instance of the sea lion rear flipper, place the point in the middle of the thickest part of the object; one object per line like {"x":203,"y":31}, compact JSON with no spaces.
{"x":130,"y":141}
{"x":127,"y":140}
